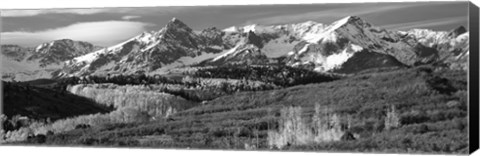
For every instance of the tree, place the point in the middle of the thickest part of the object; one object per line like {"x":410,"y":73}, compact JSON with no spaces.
{"x":392,"y":120}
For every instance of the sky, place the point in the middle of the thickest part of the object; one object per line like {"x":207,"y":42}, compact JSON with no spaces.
{"x":108,"y":26}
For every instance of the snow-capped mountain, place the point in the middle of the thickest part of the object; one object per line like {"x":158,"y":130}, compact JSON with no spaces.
{"x":58,"y":51}
{"x":348,"y":45}
{"x":452,"y":46}
{"x":246,"y":51}
{"x":258,"y":44}
{"x":327,"y":47}
{"x":54,"y":52}
{"x":26,"y":63}
{"x":150,"y":51}
{"x":313,"y":45}
{"x":336,"y":43}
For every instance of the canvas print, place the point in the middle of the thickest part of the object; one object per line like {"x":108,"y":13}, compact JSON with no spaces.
{"x":353,"y":77}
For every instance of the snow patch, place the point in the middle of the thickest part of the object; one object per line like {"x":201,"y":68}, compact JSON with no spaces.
{"x":249,"y":28}
{"x":225,"y":54}
{"x":304,"y":49}
{"x":340,"y":23}
{"x":327,"y":34}
{"x":462,"y":37}
{"x":231,"y":29}
{"x":356,"y":47}
{"x":90,"y":57}
{"x":336,"y":60}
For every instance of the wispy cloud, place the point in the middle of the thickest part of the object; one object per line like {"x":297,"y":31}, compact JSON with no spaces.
{"x":101,"y":33}
{"x":425,"y":23}
{"x":88,"y":11}
{"x":22,"y":13}
{"x":330,"y":14}
{"x":130,"y":17}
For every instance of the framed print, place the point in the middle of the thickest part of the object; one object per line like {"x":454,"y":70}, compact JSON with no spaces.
{"x":383,"y":77}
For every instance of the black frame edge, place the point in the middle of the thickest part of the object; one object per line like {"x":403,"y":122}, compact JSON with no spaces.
{"x":473,"y":78}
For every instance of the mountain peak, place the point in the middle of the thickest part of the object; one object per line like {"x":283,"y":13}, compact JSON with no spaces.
{"x":175,"y":20}
{"x":349,"y":20}
{"x":252,"y":38}
{"x":457,"y":31}
{"x":63,"y":40}
{"x":175,"y":23}
{"x":353,"y":17}
{"x":354,"y":21}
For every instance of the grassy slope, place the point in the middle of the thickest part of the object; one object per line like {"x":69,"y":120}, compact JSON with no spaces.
{"x":46,"y":103}
{"x":429,"y":124}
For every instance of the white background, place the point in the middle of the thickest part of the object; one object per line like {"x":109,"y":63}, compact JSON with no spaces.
{"x":74,"y":151}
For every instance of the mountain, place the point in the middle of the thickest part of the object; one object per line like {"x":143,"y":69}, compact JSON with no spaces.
{"x":452,"y":46}
{"x":15,"y":52}
{"x":246,"y":51}
{"x":326,"y":48}
{"x":27,"y":63}
{"x":365,"y":59}
{"x":58,"y":51}
{"x":311,"y":45}
{"x":335,"y":44}
{"x":172,"y":45}
{"x":457,"y":31}
{"x":257,"y":44}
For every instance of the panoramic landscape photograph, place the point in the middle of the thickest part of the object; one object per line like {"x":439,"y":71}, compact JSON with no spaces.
{"x":353,"y":77}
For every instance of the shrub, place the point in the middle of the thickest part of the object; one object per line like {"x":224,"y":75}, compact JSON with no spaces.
{"x":18,"y":135}
{"x":413,"y":117}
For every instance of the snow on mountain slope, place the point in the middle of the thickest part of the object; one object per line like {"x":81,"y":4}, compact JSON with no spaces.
{"x":231,"y":29}
{"x":58,"y":51}
{"x":253,"y":27}
{"x":453,"y":46}
{"x":227,"y":53}
{"x":148,"y":51}
{"x":352,"y":34}
{"x":41,"y":61}
{"x":274,"y":40}
{"x":248,"y":50}
{"x":308,"y":44}
{"x":327,"y":34}
{"x":279,"y":47}
{"x":90,"y":57}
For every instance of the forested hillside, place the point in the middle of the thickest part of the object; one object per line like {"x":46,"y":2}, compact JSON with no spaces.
{"x":388,"y":110}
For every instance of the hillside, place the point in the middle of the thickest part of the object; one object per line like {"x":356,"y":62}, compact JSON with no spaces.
{"x":40,"y":103}
{"x":427,"y":105}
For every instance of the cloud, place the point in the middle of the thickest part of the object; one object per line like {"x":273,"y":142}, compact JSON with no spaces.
{"x":332,"y":14}
{"x":130,"y":17}
{"x":88,"y":11}
{"x":426,"y":23}
{"x":102,"y":33}
{"x":22,"y":13}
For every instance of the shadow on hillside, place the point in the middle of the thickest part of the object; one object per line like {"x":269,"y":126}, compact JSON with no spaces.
{"x":38,"y":103}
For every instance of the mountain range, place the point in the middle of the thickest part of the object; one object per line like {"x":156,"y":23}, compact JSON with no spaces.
{"x":348,"y":45}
